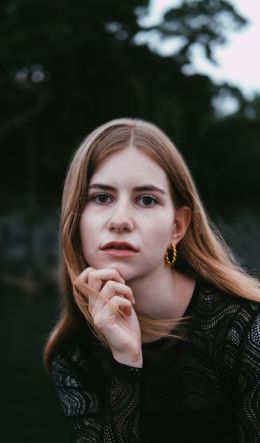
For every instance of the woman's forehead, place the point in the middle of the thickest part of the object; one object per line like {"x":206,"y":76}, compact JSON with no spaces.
{"x":130,"y":162}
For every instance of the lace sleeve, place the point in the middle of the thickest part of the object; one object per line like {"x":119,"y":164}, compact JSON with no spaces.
{"x":249,"y":384}
{"x":98,"y":408}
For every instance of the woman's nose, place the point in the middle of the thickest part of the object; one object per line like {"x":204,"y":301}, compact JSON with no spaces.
{"x":121,"y":219}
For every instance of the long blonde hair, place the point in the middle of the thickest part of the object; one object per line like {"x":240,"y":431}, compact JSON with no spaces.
{"x":202,"y":249}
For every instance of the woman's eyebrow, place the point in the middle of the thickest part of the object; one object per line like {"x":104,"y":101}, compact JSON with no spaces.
{"x":136,"y":189}
{"x":149,"y":188}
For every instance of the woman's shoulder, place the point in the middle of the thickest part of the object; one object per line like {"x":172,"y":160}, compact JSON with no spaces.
{"x":226,"y":324}
{"x":214,"y":303}
{"x":226,"y":321}
{"x":75,"y":354}
{"x":67,"y":356}
{"x":77,"y":377}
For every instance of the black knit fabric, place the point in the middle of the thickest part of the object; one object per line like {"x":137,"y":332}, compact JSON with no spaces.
{"x":205,"y":388}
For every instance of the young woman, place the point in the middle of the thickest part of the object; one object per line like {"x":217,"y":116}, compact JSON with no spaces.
{"x":159,"y":336}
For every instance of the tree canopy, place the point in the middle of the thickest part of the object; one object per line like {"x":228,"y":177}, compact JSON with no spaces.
{"x":67,"y":67}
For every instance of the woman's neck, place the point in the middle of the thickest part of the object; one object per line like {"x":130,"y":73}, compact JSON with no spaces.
{"x":163,"y":294}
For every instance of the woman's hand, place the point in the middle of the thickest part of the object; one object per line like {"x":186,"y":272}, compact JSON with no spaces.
{"x":122,"y":332}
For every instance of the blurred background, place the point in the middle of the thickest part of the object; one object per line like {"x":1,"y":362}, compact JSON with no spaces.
{"x":66,"y":67}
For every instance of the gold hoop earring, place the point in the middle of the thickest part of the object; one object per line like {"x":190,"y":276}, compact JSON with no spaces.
{"x":170,"y":255}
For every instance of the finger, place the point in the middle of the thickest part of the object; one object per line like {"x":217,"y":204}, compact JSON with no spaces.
{"x":101,"y":318}
{"x":94,"y":279}
{"x":82,"y":279}
{"x":109,"y":290}
{"x":97,"y":278}
{"x":124,"y":306}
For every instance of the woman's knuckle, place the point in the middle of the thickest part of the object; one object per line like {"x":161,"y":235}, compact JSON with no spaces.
{"x":115,"y":273}
{"x":97,"y":321}
{"x":91,"y":274}
{"x":110,"y":284}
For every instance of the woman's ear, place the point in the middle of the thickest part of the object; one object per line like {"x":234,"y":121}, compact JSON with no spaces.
{"x":181,"y":222}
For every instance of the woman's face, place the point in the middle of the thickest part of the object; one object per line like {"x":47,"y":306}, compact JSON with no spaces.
{"x":128,"y":201}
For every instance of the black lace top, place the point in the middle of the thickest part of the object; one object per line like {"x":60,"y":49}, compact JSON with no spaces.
{"x":205,"y":388}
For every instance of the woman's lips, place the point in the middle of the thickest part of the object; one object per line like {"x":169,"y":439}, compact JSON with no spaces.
{"x":119,"y":252}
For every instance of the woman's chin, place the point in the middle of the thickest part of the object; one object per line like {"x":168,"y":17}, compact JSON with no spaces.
{"x":126,"y":274}
{"x":123,"y":268}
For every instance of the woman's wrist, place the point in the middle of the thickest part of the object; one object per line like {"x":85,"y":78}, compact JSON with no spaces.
{"x":135,"y":362}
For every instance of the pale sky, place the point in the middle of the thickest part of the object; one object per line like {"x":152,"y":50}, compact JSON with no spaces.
{"x":239,"y":59}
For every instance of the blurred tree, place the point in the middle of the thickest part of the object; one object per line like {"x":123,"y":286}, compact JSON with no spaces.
{"x":205,"y":23}
{"x":68,"y":67}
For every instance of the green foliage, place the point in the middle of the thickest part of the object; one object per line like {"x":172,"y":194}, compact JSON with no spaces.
{"x":67,"y":67}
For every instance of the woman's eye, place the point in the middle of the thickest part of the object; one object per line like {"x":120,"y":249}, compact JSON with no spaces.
{"x":147,"y":200}
{"x":101,"y":198}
